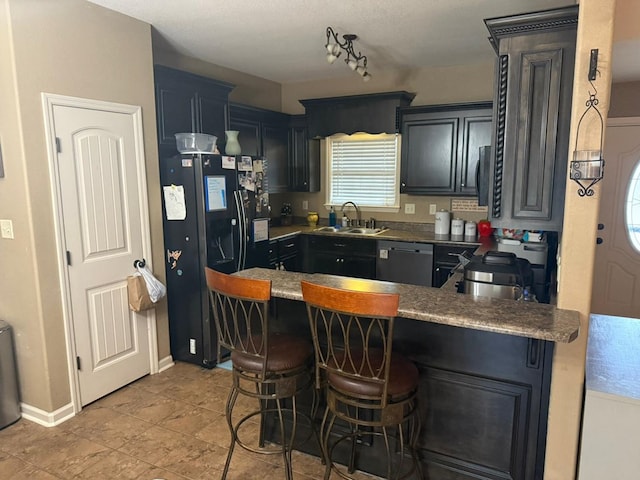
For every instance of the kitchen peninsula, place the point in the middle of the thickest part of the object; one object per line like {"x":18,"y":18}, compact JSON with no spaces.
{"x":485,"y":371}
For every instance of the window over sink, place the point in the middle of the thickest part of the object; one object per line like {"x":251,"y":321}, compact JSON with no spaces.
{"x":364,"y":168}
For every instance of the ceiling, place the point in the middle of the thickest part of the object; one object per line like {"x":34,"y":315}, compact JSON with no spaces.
{"x":283,"y":40}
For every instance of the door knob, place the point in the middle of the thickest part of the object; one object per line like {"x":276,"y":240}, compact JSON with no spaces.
{"x":599,"y":240}
{"x":601,"y":226}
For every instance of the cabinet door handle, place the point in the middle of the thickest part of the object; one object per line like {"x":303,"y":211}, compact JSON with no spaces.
{"x":601,"y":226}
{"x":290,"y":245}
{"x":599,"y":241}
{"x":533,"y":353}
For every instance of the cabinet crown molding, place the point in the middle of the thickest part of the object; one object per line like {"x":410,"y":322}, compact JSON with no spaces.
{"x":371,"y":113}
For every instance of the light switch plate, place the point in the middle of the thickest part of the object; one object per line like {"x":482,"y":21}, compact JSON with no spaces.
{"x":6,"y":228}
{"x":305,"y":204}
{"x":432,"y":209}
{"x":410,"y":208}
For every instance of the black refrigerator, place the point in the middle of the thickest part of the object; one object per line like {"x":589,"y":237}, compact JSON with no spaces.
{"x":215,"y":214}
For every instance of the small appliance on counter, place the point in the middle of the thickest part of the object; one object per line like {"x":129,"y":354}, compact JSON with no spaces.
{"x":496,"y":274}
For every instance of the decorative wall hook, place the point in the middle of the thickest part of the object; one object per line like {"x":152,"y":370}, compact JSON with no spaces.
{"x":587,"y":166}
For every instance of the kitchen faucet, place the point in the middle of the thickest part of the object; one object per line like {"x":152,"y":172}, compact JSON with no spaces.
{"x":359,"y":219}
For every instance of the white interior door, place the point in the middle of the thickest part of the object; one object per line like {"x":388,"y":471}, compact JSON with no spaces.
{"x":616,"y":284}
{"x":99,"y":163}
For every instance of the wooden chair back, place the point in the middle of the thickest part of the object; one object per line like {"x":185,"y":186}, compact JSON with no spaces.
{"x":240,"y":312}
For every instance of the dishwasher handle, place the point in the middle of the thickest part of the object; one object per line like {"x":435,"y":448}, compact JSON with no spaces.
{"x":411,"y":250}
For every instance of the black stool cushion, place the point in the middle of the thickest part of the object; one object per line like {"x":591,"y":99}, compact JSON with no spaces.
{"x":403,"y":377}
{"x":286,"y":352}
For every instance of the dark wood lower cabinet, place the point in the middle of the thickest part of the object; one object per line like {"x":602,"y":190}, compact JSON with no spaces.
{"x":350,"y":257}
{"x":483,"y":400}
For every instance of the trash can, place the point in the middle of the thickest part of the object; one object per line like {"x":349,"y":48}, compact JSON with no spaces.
{"x":9,"y":403}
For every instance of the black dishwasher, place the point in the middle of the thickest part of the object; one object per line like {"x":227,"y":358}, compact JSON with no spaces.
{"x":405,"y":262}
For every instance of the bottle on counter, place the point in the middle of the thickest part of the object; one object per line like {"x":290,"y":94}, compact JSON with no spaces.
{"x":345,"y":221}
{"x":332,"y":217}
{"x":527,"y":295}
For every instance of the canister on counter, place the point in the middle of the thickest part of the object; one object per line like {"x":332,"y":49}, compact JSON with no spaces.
{"x":443,"y":222}
{"x":457,"y":229}
{"x":470,"y":231}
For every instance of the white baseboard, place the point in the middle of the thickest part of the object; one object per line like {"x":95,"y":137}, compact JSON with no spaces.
{"x":165,"y":363}
{"x":51,"y":419}
{"x":47,"y":419}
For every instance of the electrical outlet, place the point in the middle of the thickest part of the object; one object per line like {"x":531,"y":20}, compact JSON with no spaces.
{"x":6,"y":228}
{"x":192,"y":346}
{"x":305,"y":204}
{"x":432,"y":209}
{"x":410,"y":208}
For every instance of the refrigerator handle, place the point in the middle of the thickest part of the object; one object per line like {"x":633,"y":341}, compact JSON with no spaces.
{"x":242,"y":230}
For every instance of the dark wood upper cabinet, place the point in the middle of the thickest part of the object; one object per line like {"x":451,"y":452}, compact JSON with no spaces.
{"x":264,"y":133}
{"x":188,"y":103}
{"x":441,"y":146}
{"x":532,"y":117}
{"x":304,"y":157}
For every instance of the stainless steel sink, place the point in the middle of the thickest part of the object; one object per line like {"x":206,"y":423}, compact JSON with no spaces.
{"x":351,"y":230}
{"x":327,"y":229}
{"x":363,"y":231}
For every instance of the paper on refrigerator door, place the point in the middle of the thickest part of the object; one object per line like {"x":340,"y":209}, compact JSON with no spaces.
{"x":174,"y":204}
{"x":260,"y":229}
{"x":229,"y":163}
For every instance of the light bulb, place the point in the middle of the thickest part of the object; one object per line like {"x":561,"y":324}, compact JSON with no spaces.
{"x":352,"y":63}
{"x":361,"y":70}
{"x":332,"y":58}
{"x":366,"y":77}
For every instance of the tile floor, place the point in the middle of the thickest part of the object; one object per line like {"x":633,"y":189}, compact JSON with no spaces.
{"x":167,"y":426}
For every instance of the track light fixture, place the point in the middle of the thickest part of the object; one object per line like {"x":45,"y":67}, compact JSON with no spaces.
{"x":356,"y":62}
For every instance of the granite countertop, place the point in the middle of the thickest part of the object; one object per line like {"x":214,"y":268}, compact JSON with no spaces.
{"x":277,"y":233}
{"x":532,"y":320}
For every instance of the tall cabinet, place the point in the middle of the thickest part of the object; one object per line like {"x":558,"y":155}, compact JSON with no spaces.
{"x":532,"y":117}
{"x":188,"y":103}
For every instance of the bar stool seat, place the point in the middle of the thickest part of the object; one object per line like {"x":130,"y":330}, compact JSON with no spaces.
{"x":286,"y":352}
{"x":403,"y":377}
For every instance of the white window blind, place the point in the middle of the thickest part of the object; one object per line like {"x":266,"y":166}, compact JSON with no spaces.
{"x":363,"y":168}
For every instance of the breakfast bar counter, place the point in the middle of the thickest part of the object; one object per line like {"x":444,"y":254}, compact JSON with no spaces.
{"x":531,"y":320}
{"x":484,"y":366}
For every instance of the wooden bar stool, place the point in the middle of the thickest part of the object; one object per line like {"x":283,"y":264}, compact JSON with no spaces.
{"x":367,"y":386}
{"x":269,"y":367}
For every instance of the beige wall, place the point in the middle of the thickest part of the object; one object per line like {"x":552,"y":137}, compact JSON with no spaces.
{"x":625,"y":99}
{"x":466,"y":83}
{"x":248,"y":89}
{"x":68,"y":47}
